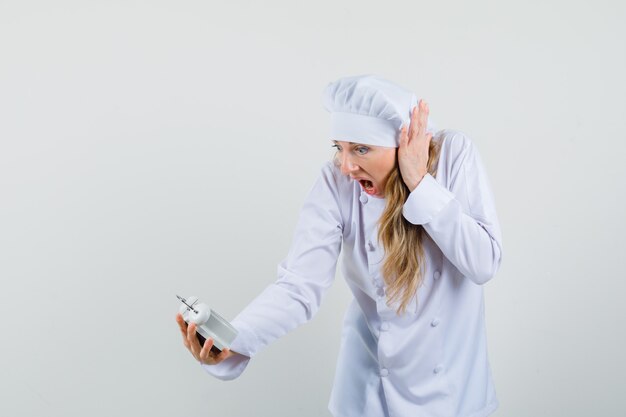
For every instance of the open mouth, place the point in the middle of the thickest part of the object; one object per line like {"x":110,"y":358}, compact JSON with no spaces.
{"x":367,"y":185}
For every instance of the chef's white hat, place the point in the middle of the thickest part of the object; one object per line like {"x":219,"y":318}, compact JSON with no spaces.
{"x":368,"y":109}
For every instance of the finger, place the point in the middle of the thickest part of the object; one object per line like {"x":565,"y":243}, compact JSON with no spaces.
{"x":183,"y":329}
{"x":181,"y":324}
{"x":223,"y":355}
{"x":423,"y":117}
{"x":403,"y":137}
{"x":194,"y":344}
{"x":413,"y":127}
{"x":205,"y":353}
{"x":417,"y":120}
{"x":220,"y":357}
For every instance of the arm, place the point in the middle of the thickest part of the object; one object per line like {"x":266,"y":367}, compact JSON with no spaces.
{"x":461,"y":220}
{"x":304,"y":276}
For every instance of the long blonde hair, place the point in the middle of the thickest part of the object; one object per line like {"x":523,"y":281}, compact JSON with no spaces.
{"x":402,"y":240}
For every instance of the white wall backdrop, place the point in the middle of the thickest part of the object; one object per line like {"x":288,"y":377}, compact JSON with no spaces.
{"x":149,"y":148}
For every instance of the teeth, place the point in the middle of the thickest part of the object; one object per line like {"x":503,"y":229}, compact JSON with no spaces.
{"x":366,"y":184}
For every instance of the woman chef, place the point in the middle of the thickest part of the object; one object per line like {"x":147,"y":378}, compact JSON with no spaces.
{"x":414,"y":217}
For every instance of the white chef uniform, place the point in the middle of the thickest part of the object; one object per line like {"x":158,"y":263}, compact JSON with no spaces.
{"x":432,"y":361}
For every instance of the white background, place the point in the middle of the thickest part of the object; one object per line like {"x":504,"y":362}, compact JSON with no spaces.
{"x":149,"y":148}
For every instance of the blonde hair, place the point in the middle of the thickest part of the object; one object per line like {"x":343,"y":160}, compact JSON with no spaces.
{"x":402,"y":240}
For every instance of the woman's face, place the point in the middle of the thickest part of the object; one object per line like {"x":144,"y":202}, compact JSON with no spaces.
{"x":369,"y":165}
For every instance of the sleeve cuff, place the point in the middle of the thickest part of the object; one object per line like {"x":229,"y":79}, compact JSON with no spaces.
{"x":228,"y":369}
{"x":246,"y":341}
{"x":426,"y":201}
{"x":243,"y":348}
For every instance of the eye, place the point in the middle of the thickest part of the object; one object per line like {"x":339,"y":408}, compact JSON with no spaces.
{"x":336,"y":146}
{"x":362,"y":150}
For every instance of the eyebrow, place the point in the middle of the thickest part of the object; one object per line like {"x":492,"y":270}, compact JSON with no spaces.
{"x":351,"y":143}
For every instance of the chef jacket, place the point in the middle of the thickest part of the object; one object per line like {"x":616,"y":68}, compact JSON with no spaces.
{"x":431,"y":361}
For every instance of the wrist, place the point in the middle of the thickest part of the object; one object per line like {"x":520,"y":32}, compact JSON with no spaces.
{"x":412,"y":185}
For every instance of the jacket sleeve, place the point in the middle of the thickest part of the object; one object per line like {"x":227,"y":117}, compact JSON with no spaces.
{"x":304,"y":276}
{"x":460,"y":218}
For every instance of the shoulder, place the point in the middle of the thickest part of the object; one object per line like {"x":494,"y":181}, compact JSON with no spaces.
{"x":340,"y":186}
{"x":332,"y":175}
{"x":454,"y":143}
{"x":456,"y":149}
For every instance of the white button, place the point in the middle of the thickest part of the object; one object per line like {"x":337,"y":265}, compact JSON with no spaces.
{"x":435,"y":322}
{"x":437,"y":274}
{"x":380,"y":291}
{"x":363,"y":198}
{"x":384,"y":372}
{"x":385,"y":326}
{"x":378,"y":282}
{"x":438,"y":369}
{"x":370,"y":246}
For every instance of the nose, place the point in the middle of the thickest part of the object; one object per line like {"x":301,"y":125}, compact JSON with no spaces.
{"x":347,"y":165}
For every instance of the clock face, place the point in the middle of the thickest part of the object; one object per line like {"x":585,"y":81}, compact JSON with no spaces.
{"x":199,"y":314}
